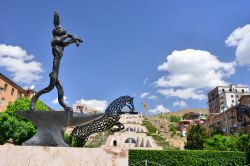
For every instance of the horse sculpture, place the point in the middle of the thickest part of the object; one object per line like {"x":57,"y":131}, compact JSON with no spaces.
{"x":110,"y":118}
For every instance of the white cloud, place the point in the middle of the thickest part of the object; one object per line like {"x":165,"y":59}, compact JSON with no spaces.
{"x":145,"y":81}
{"x":189,"y":72}
{"x":159,"y":109}
{"x":95,"y":104}
{"x":240,"y":38}
{"x":152,"y":97}
{"x":180,"y":103}
{"x":20,"y":64}
{"x":188,"y":93}
{"x":143,"y":95}
{"x":194,"y":69}
{"x":55,"y":101}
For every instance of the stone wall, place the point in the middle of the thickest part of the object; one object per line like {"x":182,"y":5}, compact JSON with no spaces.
{"x":60,"y":156}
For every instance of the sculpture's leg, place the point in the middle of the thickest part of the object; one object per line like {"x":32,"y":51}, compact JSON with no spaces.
{"x":60,"y":96}
{"x":60,"y":140}
{"x":52,"y":83}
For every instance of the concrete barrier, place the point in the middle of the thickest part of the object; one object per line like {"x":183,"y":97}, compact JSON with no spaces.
{"x":60,"y":156}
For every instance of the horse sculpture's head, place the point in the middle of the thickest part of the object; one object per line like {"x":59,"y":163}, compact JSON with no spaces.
{"x":118,"y":104}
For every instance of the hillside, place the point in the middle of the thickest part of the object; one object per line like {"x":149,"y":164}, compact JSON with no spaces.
{"x":182,"y":112}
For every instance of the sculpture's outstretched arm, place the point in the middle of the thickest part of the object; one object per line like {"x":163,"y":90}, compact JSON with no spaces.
{"x":73,"y":39}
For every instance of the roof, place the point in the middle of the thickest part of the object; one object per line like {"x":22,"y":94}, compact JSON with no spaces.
{"x":244,"y":96}
{"x":12,"y":83}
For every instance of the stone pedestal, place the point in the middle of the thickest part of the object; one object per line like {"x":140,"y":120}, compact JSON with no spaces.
{"x":61,"y":156}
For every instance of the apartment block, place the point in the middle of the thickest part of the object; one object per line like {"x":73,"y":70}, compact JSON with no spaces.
{"x":227,"y":121}
{"x":83,"y":108}
{"x":10,"y":92}
{"x":222,"y":98}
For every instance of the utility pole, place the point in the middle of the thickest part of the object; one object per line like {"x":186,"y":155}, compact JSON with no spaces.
{"x":146,"y":107}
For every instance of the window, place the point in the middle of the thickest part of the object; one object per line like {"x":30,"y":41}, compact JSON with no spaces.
{"x":130,"y":140}
{"x":232,"y":96}
{"x":12,"y":91}
{"x":2,"y":102}
{"x":19,"y":95}
{"x":5,"y":87}
{"x":114,"y":143}
{"x":237,"y":96}
{"x":232,"y":101}
{"x":230,"y":90}
{"x":223,"y":90}
{"x":242,"y":90}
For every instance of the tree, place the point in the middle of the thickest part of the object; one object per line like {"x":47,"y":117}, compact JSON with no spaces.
{"x":243,"y":143}
{"x":233,"y":142}
{"x":17,"y":128}
{"x":221,"y":142}
{"x":173,"y":128}
{"x":196,"y":137}
{"x":175,"y":118}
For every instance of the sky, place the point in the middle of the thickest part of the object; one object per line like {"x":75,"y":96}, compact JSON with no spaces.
{"x":169,"y":54}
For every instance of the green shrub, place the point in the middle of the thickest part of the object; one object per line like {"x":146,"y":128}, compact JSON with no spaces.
{"x":233,"y":142}
{"x":221,"y":142}
{"x":173,"y":128}
{"x":17,"y":128}
{"x":243,"y":143}
{"x":188,"y":158}
{"x":175,"y":118}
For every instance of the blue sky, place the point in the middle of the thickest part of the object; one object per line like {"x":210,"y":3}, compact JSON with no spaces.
{"x":125,"y":47}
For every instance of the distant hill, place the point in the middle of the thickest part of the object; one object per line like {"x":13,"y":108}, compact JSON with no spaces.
{"x":182,"y":112}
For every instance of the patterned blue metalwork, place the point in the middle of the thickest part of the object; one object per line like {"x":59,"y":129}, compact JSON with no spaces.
{"x":110,"y":118}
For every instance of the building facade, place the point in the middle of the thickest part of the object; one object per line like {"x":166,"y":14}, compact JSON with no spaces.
{"x":227,"y":121}
{"x":82,"y":108}
{"x":189,"y":119}
{"x":222,"y":98}
{"x":10,"y":92}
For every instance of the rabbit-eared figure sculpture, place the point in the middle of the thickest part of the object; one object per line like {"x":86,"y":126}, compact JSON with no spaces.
{"x":60,"y":40}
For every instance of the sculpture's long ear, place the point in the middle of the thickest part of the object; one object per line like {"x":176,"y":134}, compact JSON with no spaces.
{"x":56,"y":19}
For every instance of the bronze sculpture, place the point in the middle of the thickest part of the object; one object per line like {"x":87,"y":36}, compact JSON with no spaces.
{"x":51,"y":125}
{"x":60,"y":40}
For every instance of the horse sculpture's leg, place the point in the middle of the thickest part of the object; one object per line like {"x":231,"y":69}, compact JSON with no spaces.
{"x":120,"y":127}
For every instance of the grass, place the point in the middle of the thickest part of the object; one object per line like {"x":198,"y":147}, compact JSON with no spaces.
{"x":159,"y":139}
